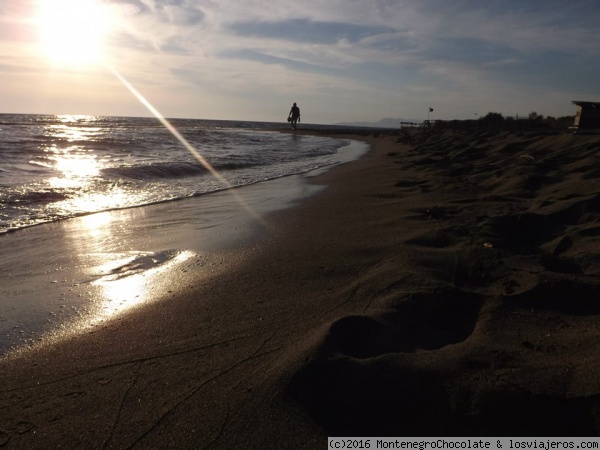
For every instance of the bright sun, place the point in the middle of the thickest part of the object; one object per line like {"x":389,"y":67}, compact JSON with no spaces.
{"x":73,"y":31}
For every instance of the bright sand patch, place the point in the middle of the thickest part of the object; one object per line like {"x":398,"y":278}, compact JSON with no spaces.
{"x":442,"y":285}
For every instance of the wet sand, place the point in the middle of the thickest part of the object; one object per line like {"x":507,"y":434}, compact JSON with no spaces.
{"x":444,"y":284}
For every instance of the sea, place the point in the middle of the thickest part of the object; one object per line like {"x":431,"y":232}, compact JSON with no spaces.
{"x":99,"y":215}
{"x":55,"y":167}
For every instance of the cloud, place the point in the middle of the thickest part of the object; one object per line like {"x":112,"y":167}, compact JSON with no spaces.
{"x":176,"y":12}
{"x":523,"y":26}
{"x":307,"y":31}
{"x":263,"y":58}
{"x":386,"y":54}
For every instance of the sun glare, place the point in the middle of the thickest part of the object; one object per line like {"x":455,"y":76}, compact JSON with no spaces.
{"x":72,"y":32}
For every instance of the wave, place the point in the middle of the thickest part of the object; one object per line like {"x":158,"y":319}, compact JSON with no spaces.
{"x":170,"y":170}
{"x":33,"y":197}
{"x":139,"y":162}
{"x":113,"y":122}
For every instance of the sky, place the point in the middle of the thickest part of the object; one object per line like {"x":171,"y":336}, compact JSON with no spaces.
{"x":340,"y":60}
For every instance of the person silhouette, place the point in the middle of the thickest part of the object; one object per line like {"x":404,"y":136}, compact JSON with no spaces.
{"x":294,"y":115}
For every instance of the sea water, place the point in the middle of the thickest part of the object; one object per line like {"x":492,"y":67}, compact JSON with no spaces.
{"x":97,"y":254}
{"x":57,"y":167}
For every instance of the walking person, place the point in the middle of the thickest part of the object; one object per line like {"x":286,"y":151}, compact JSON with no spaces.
{"x":294,"y":115}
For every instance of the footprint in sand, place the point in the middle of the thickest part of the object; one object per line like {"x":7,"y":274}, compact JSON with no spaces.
{"x":366,"y":373}
{"x":417,"y":322}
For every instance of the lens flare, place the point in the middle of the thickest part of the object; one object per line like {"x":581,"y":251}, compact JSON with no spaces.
{"x":201,"y":159}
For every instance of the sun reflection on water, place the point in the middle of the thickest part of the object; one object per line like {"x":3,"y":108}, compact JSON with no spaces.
{"x":78,"y":166}
{"x":128,"y":278}
{"x":75,"y":118}
{"x":94,"y":223}
{"x":94,"y":201}
{"x":120,"y":293}
{"x":125,"y":277}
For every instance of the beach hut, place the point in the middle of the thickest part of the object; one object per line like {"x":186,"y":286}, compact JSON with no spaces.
{"x":587,"y":116}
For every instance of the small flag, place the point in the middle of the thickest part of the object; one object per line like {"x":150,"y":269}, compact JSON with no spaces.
{"x":430,"y":109}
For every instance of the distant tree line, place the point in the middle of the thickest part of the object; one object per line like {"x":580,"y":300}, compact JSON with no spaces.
{"x":496,"y":121}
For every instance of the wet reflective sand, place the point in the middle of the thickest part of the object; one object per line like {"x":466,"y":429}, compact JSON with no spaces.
{"x":65,"y":277}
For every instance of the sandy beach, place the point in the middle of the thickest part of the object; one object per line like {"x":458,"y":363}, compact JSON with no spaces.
{"x":444,"y":284}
